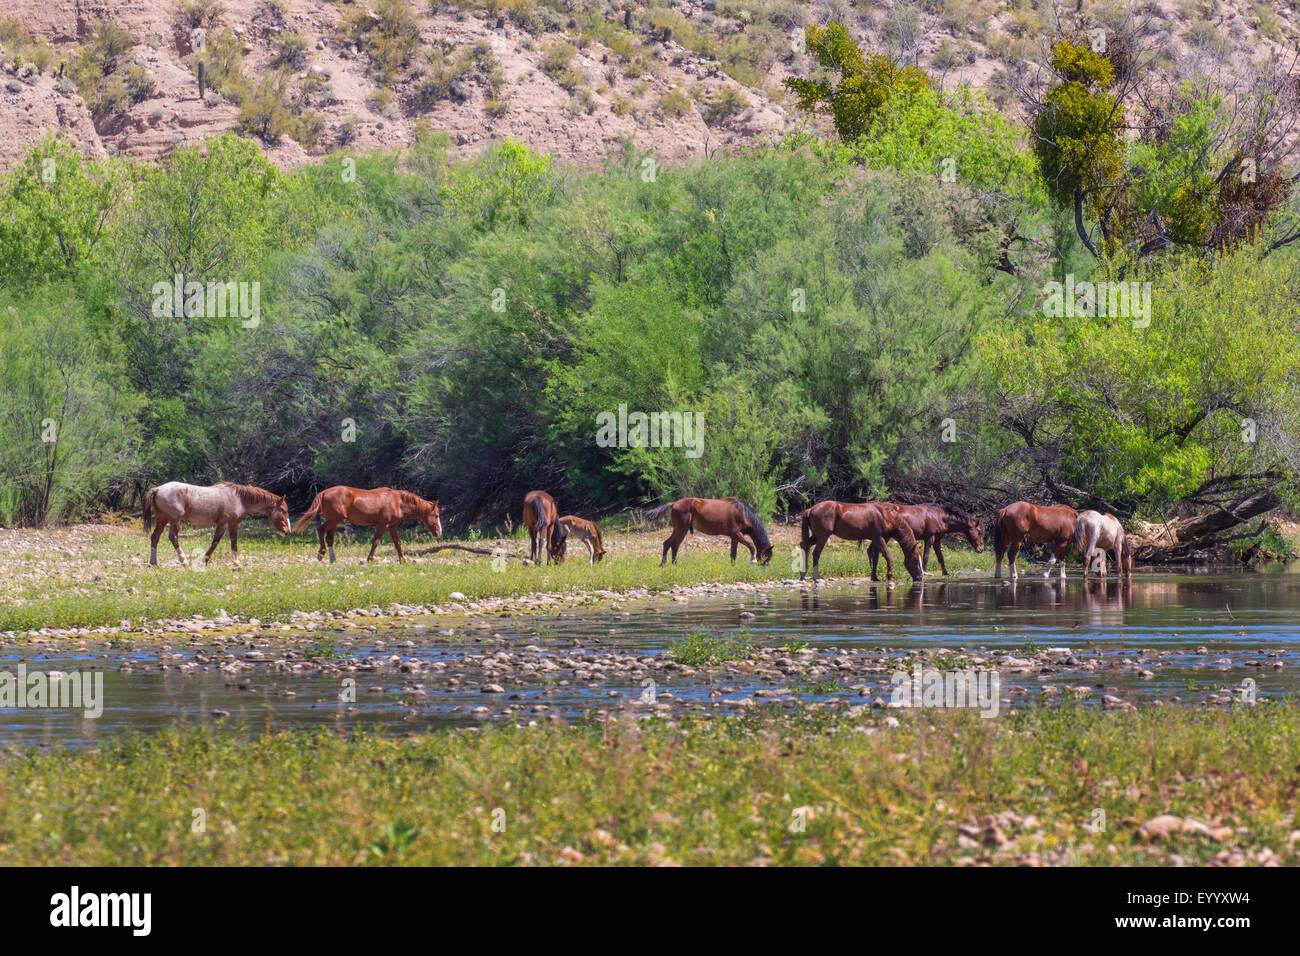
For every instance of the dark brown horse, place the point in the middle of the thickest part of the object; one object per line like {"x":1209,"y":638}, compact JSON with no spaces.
{"x":542,"y":518}
{"x":929,"y":523}
{"x":728,"y":517}
{"x":872,"y":521}
{"x":220,"y":506}
{"x":385,"y":508}
{"x":1042,"y":524}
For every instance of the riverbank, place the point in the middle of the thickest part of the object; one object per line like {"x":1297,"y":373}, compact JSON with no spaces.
{"x":1156,"y":786}
{"x":94,"y":579}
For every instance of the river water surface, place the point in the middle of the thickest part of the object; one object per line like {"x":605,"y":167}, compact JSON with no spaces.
{"x":1186,"y":638}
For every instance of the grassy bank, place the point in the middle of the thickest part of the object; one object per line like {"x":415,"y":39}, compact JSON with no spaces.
{"x":940,"y":788}
{"x":97,"y":576}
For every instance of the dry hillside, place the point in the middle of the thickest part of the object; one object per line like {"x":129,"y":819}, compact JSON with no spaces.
{"x":568,"y":77}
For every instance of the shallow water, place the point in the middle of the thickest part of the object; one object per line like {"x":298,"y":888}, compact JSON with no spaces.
{"x":1246,"y":623}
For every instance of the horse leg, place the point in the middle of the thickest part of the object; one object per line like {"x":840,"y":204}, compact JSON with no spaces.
{"x":735,"y":540}
{"x":817,"y":556}
{"x":591,"y":551}
{"x":1058,"y":554}
{"x":320,"y":539}
{"x":998,"y":550}
{"x":374,"y":543}
{"x":1013,"y":549}
{"x":883,"y":546}
{"x":234,"y":542}
{"x":674,"y":542}
{"x":173,"y":534}
{"x":925,"y":553}
{"x":216,"y":536}
{"x":874,"y":554}
{"x":392,"y":531}
{"x":153,"y":543}
{"x":532,"y":545}
{"x":938,"y":553}
{"x":329,"y":537}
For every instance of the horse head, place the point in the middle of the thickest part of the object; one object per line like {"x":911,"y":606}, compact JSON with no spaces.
{"x":280,"y":516}
{"x":432,"y":520}
{"x":559,"y":543}
{"x":971,"y":529}
{"x":912,"y":561}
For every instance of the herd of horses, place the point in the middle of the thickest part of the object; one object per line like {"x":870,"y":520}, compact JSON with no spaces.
{"x":917,"y":529}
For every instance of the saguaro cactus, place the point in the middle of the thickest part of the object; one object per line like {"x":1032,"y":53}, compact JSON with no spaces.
{"x":203,"y":78}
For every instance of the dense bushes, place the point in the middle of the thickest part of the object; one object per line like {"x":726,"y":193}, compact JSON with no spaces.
{"x":840,"y":314}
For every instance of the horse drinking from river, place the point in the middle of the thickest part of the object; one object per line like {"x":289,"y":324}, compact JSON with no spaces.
{"x":929,"y":523}
{"x":1042,"y":524}
{"x":1095,"y":534}
{"x":222,"y":506}
{"x":385,"y":508}
{"x":873,"y":521}
{"x":728,"y":517}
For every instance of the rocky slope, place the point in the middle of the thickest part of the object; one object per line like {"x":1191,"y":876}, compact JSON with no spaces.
{"x":569,"y":77}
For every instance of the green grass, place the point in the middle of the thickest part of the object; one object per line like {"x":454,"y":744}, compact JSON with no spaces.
{"x":719,"y":792}
{"x":106,"y":582}
{"x":703,"y":648}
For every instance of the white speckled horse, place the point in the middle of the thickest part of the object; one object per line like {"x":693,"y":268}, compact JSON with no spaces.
{"x":1095,"y":534}
{"x":220,"y":506}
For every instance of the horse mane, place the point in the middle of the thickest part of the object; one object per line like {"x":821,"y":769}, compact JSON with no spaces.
{"x":958,"y":513}
{"x":411,"y":500}
{"x":251,"y":494}
{"x":760,"y":533}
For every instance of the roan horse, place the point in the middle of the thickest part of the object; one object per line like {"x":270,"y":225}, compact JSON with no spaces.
{"x":542,"y":519}
{"x":1095,"y":534}
{"x":728,"y":517}
{"x":929,"y":523}
{"x":385,"y":508}
{"x":1043,"y":524}
{"x":220,"y":506}
{"x":872,"y":521}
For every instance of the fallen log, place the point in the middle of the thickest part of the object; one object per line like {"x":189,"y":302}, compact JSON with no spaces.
{"x":1193,"y":535}
{"x":498,"y":553}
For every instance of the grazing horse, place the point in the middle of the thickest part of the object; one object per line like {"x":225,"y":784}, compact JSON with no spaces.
{"x":385,"y":508}
{"x":872,"y":521}
{"x":1043,"y":524}
{"x":586,"y":532}
{"x":929,"y":523}
{"x":728,"y":517}
{"x":540,"y":515}
{"x":220,"y":506}
{"x":1095,"y":534}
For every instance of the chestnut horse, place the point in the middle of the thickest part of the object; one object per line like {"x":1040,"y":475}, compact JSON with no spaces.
{"x":1043,"y":524}
{"x":541,"y":517}
{"x":929,"y":523}
{"x":873,"y":521}
{"x":1095,"y":534}
{"x":586,"y":532}
{"x":220,"y":506}
{"x":728,"y":517}
{"x":385,"y":508}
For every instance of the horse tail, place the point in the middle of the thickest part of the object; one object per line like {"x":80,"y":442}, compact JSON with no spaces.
{"x":313,"y":511}
{"x":760,"y":533}
{"x":1079,"y":537}
{"x":997,"y":532}
{"x":148,"y":509}
{"x":805,"y":529}
{"x":654,"y":514}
